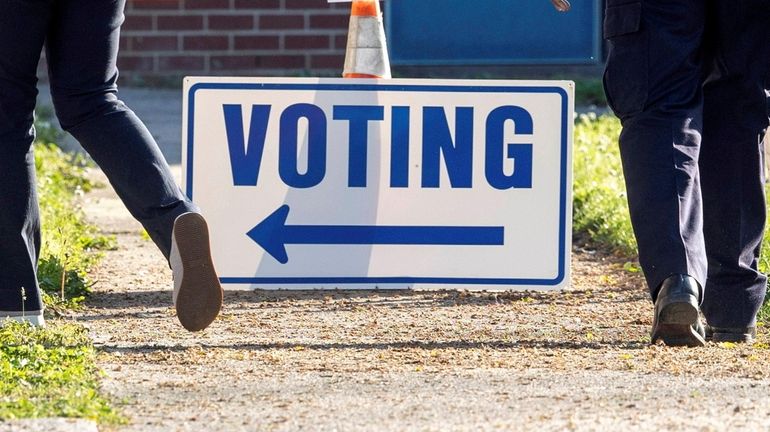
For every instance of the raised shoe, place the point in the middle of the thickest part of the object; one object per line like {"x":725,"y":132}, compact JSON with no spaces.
{"x":197,"y":291}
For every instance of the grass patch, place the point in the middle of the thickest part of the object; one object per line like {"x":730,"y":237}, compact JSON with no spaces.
{"x":50,"y":373}
{"x":600,"y":207}
{"x":763,"y":317}
{"x":71,"y":246}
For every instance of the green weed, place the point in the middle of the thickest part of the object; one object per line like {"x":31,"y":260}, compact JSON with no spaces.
{"x":764,"y":266}
{"x":50,"y":372}
{"x":600,"y":208}
{"x":70,"y":246}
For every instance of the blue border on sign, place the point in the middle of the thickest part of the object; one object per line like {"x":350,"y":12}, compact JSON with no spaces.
{"x":398,"y":88}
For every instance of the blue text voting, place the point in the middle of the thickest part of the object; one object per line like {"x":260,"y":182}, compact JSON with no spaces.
{"x":442,"y":143}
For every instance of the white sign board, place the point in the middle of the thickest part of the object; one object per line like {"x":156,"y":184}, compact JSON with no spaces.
{"x":332,"y":183}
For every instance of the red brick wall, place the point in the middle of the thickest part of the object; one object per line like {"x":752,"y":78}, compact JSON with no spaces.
{"x":233,"y":37}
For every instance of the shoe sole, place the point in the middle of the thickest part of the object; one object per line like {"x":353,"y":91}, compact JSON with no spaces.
{"x":675,"y":325}
{"x":199,"y":298}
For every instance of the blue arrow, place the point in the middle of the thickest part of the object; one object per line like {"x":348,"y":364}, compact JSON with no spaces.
{"x":273,"y":235}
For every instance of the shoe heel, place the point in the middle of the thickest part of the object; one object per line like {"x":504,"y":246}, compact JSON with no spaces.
{"x":677,"y":321}
{"x":679,"y":313}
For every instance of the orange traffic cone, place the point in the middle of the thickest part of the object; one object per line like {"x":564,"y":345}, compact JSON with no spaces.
{"x":367,"y":52}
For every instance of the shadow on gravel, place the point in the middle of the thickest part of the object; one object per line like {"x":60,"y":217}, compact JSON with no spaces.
{"x":438,"y":297}
{"x":386,"y":346}
{"x":125,"y":300}
{"x":388,"y":298}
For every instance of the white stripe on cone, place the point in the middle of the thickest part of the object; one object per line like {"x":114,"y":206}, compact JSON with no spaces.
{"x":367,"y":51}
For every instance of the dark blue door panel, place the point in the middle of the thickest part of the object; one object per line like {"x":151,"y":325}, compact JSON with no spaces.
{"x":456,"y":32}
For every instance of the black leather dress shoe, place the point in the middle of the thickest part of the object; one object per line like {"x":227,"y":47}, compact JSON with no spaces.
{"x":731,"y":334}
{"x":677,"y":313}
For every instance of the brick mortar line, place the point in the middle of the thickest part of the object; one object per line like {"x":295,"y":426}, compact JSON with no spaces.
{"x":238,"y":53}
{"x":243,"y":11}
{"x":245,"y":32}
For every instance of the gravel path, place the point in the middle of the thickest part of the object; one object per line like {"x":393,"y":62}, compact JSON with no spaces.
{"x":395,"y":361}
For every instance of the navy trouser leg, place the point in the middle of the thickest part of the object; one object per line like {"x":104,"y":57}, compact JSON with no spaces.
{"x":652,"y":80}
{"x":23,"y":26}
{"x":735,"y":118}
{"x":687,"y":80}
{"x":81,"y":48}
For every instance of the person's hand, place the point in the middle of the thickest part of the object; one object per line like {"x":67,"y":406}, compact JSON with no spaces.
{"x":561,"y":5}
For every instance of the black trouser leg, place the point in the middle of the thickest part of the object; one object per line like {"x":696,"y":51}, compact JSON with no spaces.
{"x":652,"y":81}
{"x":22,"y":32}
{"x":81,"y":46}
{"x":687,"y":79}
{"x":82,"y":49}
{"x":735,"y":117}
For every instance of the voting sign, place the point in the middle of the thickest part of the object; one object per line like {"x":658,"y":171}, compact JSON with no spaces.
{"x":332,"y":183}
